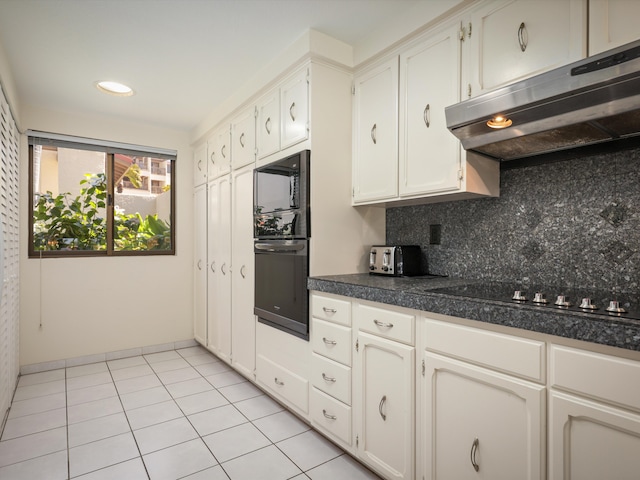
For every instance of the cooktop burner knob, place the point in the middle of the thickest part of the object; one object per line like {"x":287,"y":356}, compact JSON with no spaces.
{"x":539,"y":299}
{"x":587,"y":304}
{"x":518,"y":296}
{"x":562,"y":302}
{"x":614,"y":307}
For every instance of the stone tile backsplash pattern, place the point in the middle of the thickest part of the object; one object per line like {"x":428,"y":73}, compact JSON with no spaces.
{"x":574,"y":223}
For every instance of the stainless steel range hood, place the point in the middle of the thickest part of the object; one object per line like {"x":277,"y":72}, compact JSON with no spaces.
{"x":589,"y":102}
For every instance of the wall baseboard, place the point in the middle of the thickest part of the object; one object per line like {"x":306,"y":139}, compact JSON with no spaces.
{"x":104,"y":357}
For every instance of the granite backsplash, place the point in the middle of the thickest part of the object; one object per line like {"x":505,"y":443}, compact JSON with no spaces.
{"x":573,"y":223}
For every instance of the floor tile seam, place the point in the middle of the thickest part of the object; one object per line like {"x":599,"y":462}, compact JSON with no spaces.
{"x":262,"y":448}
{"x":66,"y":369}
{"x":87,"y":386}
{"x":39,"y":456}
{"x":92,"y":400}
{"x":112,"y":465}
{"x":246,"y":453}
{"x":124,"y":411}
{"x":35,"y":433}
{"x":311,"y":468}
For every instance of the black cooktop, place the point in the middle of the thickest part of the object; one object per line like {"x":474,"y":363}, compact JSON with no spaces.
{"x":525,"y":295}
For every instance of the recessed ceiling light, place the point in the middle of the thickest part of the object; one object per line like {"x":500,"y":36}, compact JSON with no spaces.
{"x":114,"y":88}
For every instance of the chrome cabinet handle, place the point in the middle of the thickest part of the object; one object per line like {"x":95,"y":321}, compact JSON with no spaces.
{"x":212,"y":157}
{"x":523,"y":38}
{"x":382,"y":324}
{"x":329,"y":310}
{"x":224,"y":147}
{"x":426,"y":115}
{"x":328,"y":379}
{"x":199,"y":264}
{"x":474,"y":449}
{"x":242,"y":271}
{"x":222,"y":269}
{"x":267,"y":125}
{"x":382,"y":402}
{"x":328,"y":342}
{"x":330,"y":417}
{"x":200,"y":165}
{"x":278,"y":382}
{"x":213,"y":267}
{"x":242,"y":140}
{"x":293,"y":105}
{"x":374,"y":130}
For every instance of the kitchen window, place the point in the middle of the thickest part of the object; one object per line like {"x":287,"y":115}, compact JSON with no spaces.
{"x":98,"y":198}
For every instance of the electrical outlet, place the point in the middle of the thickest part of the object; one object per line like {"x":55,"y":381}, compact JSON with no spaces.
{"x":435,"y":234}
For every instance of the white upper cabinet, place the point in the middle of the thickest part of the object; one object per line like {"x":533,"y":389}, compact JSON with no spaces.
{"x":375,"y":137}
{"x":429,"y":153}
{"x":283,"y":115}
{"x":294,"y":110}
{"x":219,"y":151}
{"x":612,"y":23}
{"x":200,"y":165}
{"x":268,"y":124}
{"x":201,"y":265}
{"x":510,"y":40}
{"x":243,"y":138}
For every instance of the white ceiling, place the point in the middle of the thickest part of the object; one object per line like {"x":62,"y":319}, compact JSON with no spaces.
{"x":182,"y":57}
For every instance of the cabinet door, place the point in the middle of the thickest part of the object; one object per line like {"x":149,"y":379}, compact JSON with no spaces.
{"x":219,"y":288}
{"x":243,"y":328}
{"x":591,"y":441}
{"x":384,"y":402}
{"x":514,"y":39}
{"x":268,"y":125}
{"x":200,"y":270}
{"x":473,"y":417}
{"x":429,"y":154}
{"x":219,"y":150}
{"x":294,"y":112}
{"x":243,"y":138}
{"x":612,"y":23}
{"x":375,"y":162}
{"x":200,"y":165}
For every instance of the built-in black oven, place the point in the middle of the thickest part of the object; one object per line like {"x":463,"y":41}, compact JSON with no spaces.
{"x":281,"y":232}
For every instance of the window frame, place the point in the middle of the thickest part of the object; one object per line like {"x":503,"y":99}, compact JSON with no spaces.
{"x":110,"y":149}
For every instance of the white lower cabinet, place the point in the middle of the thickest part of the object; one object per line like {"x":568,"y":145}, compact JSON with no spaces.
{"x":594,"y":416}
{"x":384,"y":394}
{"x":479,"y":424}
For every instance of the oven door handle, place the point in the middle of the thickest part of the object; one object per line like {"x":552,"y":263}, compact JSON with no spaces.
{"x":270,"y":247}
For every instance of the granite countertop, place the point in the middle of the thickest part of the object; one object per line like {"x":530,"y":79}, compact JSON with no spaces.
{"x":456,"y":297}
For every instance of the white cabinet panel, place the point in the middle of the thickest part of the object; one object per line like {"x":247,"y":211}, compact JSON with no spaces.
{"x":591,"y":441}
{"x":612,"y":23}
{"x":429,"y":154}
{"x":331,"y":417}
{"x":384,"y":402}
{"x":375,"y":157}
{"x":200,"y":165}
{"x":475,"y":417}
{"x":243,"y":138}
{"x":201,"y":265}
{"x":268,"y":124}
{"x":219,"y":151}
{"x":331,"y":377}
{"x":514,"y":39}
{"x":219,"y":284}
{"x":294,"y":110}
{"x":331,"y":340}
{"x":243,"y":328}
{"x":331,"y":309}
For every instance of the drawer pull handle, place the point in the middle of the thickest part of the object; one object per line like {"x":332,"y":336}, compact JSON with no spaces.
{"x":383,"y":324}
{"x":330,"y":417}
{"x":383,"y":400}
{"x":329,"y":342}
{"x":329,"y":310}
{"x":328,"y":379}
{"x":278,"y":382}
{"x":474,"y":449}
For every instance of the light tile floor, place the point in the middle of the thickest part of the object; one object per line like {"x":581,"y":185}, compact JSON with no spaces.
{"x":169,"y":415}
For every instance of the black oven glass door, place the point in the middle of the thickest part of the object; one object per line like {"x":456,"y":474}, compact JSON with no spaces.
{"x":281,"y":296}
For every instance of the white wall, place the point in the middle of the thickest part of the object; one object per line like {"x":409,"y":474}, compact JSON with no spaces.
{"x":95,"y":305}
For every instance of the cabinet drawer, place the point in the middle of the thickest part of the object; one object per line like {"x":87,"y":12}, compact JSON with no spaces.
{"x":330,"y":415}
{"x":386,"y":323}
{"x":597,"y":375}
{"x":331,"y":309}
{"x":286,"y":384}
{"x":332,"y":378}
{"x":514,"y":355}
{"x":331,"y":340}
